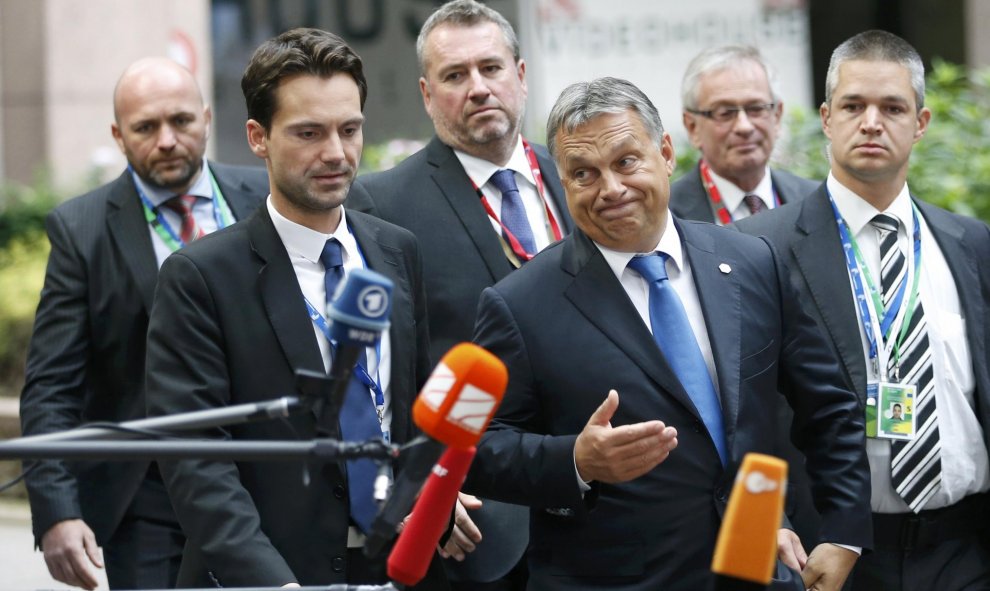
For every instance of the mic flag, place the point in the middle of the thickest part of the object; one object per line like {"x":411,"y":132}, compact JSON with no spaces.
{"x":410,"y":558}
{"x":746,"y":550}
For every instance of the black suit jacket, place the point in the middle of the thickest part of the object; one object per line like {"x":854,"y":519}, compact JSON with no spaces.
{"x":230,"y":326}
{"x":689,"y":200}
{"x":86,"y":361}
{"x":568,"y":333}
{"x":808,"y":239}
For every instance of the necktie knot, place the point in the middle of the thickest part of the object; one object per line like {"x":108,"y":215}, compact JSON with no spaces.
{"x":652,"y":267}
{"x":885,"y":223}
{"x":505,"y":181}
{"x":332,"y":256}
{"x":182,"y":205}
{"x":754,"y":203}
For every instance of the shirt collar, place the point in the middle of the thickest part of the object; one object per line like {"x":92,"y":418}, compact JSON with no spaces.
{"x":669,"y":244}
{"x":202,"y":187}
{"x":307,"y":243}
{"x":857,"y":212}
{"x":480,"y":170}
{"x":732,"y":195}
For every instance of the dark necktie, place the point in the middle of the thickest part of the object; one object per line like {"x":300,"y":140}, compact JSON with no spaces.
{"x":916,"y":465}
{"x":513,"y":215}
{"x":673,"y":334}
{"x":755,"y":204}
{"x":358,"y":419}
{"x":183,"y":206}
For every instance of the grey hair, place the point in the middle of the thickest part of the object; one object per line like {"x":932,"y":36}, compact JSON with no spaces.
{"x":581,"y":102}
{"x":881,"y":46}
{"x":722,"y":58}
{"x":464,"y":13}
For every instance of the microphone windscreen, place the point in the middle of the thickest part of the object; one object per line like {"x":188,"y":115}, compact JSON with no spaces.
{"x":461,"y":396}
{"x":746,"y":549}
{"x":413,"y":551}
{"x":361,"y":308}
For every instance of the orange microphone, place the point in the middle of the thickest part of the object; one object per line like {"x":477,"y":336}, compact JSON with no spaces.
{"x":746,"y":550}
{"x":453,"y":410}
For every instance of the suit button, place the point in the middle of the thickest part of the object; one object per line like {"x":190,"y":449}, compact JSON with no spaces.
{"x":338,"y":565}
{"x":720,"y":495}
{"x":697,"y":426}
{"x":338,"y":492}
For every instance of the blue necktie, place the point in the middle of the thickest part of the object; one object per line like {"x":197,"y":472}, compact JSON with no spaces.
{"x":513,"y":212}
{"x":672,"y":332}
{"x":358,"y":419}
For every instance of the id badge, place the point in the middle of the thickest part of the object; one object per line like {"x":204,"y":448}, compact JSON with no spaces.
{"x":895,"y":411}
{"x":872,"y":393}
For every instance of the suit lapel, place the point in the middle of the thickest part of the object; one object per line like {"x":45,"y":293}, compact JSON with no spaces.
{"x":132,"y":236}
{"x":553,"y":187}
{"x":719,"y":294}
{"x":819,"y":255}
{"x":700,"y":206}
{"x":281,"y":296}
{"x":599,"y":296}
{"x":456,"y":187}
{"x":241,"y":198}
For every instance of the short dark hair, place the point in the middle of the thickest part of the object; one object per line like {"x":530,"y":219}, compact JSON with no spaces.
{"x":299,"y":51}
{"x":879,"y":46}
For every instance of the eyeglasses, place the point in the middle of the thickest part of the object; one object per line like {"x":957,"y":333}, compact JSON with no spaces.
{"x":727,"y":114}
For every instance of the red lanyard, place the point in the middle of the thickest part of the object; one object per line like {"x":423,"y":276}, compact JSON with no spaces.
{"x":514,"y":244}
{"x":716,"y":198}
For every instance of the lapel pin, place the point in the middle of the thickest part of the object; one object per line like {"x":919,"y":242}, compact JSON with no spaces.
{"x":725,"y":268}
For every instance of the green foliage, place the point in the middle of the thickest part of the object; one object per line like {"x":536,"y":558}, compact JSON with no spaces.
{"x":384,"y":156}
{"x":949,"y":167}
{"x":23,"y":208}
{"x":22,"y":273}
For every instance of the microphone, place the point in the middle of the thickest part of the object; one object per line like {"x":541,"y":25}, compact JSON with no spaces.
{"x":453,"y":409}
{"x":410,"y":558}
{"x":746,"y":550}
{"x":358,"y":315}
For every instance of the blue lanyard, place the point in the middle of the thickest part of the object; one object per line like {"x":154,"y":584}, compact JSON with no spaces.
{"x":221,"y":212}
{"x":858,"y":271}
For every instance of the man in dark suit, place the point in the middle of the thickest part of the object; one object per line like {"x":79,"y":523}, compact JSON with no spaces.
{"x":474,"y":88}
{"x":929,"y":509}
{"x":86,"y":361}
{"x":236,"y":315}
{"x":632,"y":497}
{"x":732,"y":113}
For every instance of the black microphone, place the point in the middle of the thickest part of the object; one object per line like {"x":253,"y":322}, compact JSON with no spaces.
{"x":358,"y":315}
{"x":453,"y":409}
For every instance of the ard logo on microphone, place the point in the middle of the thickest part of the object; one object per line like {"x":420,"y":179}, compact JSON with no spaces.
{"x":373,"y":301}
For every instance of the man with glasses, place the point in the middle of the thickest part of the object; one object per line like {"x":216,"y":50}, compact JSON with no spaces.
{"x":732,"y":113}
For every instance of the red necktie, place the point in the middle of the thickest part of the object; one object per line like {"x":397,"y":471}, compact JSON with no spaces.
{"x":183,"y":206}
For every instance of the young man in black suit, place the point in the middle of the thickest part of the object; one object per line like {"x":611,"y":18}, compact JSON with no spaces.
{"x":86,"y":361}
{"x":687,"y":331}
{"x":472,"y":233}
{"x":929,"y":494}
{"x":238,"y":314}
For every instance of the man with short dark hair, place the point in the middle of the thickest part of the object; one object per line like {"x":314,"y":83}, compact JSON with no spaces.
{"x":732,"y":113}
{"x":899,"y":287}
{"x":86,"y":361}
{"x":236,"y":316}
{"x":696,"y":328}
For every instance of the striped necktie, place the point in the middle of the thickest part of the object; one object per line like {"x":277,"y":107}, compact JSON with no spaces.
{"x":916,"y":465}
{"x":183,"y":206}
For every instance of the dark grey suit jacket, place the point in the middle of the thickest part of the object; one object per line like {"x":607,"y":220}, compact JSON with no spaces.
{"x":808,"y":239}
{"x":430,"y":194}
{"x":568,"y":333}
{"x":229,"y":327}
{"x":86,"y":361}
{"x":689,"y":201}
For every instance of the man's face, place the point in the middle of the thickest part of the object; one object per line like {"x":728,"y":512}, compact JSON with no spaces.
{"x":616,"y":180}
{"x":473,"y":89}
{"x":313,"y":147}
{"x":873,"y":123}
{"x":162,"y":126}
{"x":737,"y":150}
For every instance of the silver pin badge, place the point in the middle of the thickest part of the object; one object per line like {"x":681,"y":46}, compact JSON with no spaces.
{"x":725,"y":268}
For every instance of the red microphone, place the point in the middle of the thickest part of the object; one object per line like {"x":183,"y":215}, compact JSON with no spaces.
{"x":453,"y":410}
{"x":410,"y":558}
{"x":746,"y":550}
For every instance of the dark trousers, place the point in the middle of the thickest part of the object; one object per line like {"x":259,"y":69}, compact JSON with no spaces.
{"x":939,"y":550}
{"x":146,"y":549}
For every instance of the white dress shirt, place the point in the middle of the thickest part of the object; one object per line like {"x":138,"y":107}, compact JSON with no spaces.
{"x":479,"y":171}
{"x":964,"y":457}
{"x":202,"y":209}
{"x":732,"y":195}
{"x":304,"y":246}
